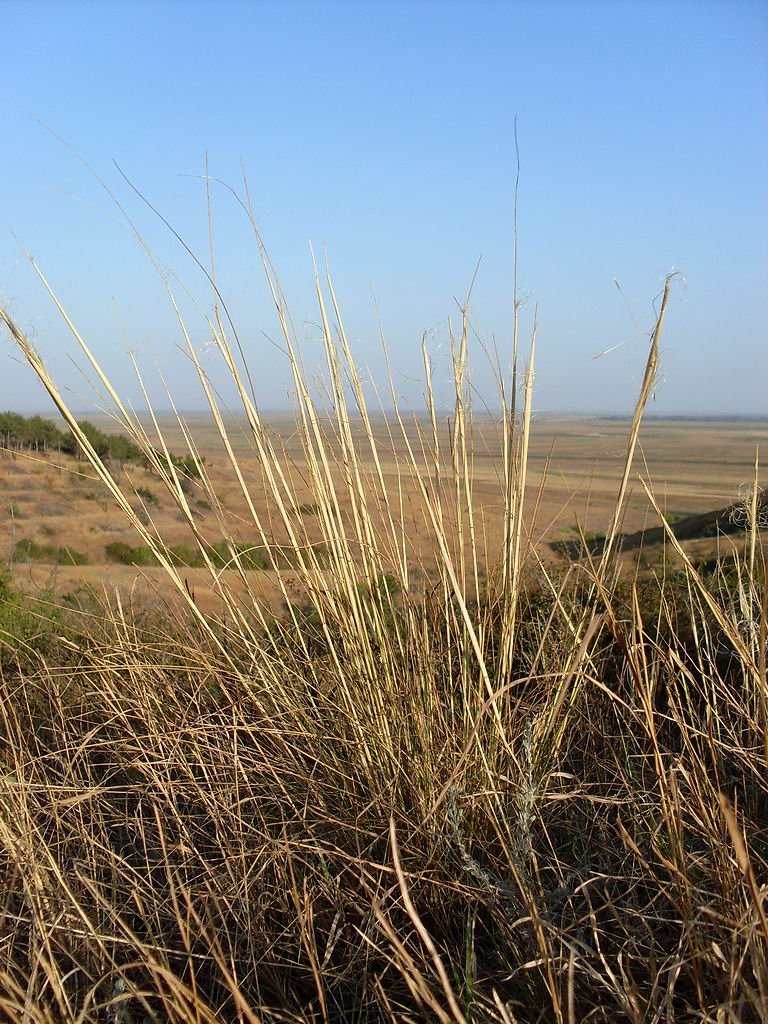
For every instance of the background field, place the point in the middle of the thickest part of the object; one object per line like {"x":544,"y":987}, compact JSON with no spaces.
{"x":574,"y":470}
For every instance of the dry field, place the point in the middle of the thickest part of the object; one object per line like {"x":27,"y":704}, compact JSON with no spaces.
{"x":574,"y":469}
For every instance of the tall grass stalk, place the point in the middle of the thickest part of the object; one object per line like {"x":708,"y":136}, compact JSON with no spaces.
{"x":416,"y":794}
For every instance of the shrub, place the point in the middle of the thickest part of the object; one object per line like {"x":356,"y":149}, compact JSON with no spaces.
{"x":147,"y":496}
{"x":28,"y":550}
{"x":673,"y":518}
{"x":225,"y":554}
{"x":185,"y":554}
{"x":119,"y":551}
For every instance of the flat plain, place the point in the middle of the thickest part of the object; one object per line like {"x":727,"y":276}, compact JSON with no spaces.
{"x":574,"y":469}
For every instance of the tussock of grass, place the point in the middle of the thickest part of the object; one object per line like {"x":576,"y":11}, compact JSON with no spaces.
{"x":416,"y":796}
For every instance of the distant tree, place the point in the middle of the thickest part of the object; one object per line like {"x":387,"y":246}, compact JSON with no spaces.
{"x":41,"y":434}
{"x":95,"y":437}
{"x":188,"y":465}
{"x":122,"y":449}
{"x":12,"y":429}
{"x":17,"y":431}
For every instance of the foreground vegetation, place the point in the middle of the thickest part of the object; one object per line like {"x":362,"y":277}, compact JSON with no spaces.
{"x":536,"y":795}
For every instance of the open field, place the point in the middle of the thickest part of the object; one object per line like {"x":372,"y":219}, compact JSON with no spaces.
{"x":574,"y":471}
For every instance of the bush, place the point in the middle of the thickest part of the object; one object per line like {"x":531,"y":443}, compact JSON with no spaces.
{"x":28,"y":550}
{"x":147,"y":496}
{"x":119,"y":551}
{"x":256,"y":556}
{"x":225,"y":554}
{"x":185,"y":554}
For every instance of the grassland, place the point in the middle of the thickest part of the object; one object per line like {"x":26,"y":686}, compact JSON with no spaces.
{"x":573,"y":474}
{"x":427,"y":770}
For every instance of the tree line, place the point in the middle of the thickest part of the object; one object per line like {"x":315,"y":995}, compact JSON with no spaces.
{"x":34,"y":433}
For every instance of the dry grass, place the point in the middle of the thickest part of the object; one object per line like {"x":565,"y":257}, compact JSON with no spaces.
{"x":456,"y":786}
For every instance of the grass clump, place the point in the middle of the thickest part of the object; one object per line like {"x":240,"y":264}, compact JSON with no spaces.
{"x":34,"y":632}
{"x":488,"y":791}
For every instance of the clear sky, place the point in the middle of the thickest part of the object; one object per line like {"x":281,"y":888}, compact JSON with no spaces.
{"x":384,"y":132}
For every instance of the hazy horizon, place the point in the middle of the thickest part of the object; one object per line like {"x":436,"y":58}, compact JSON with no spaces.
{"x":50,"y":412}
{"x":384,"y":134}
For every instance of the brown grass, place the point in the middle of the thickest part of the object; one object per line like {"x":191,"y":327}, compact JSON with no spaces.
{"x":451,"y":782}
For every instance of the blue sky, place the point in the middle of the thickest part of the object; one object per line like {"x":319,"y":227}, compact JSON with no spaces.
{"x":384,"y":132}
